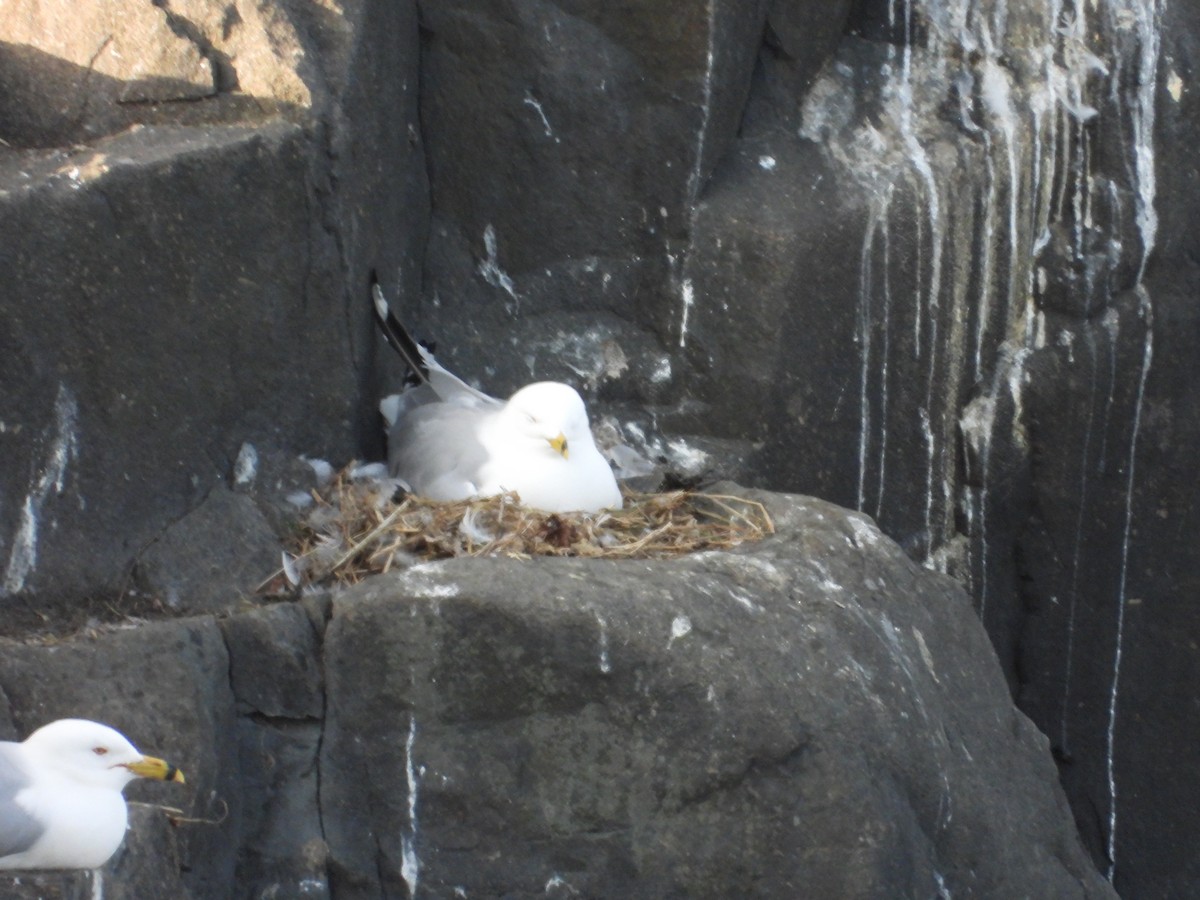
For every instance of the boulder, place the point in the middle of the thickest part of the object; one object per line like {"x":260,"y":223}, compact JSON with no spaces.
{"x":211,"y":559}
{"x":814,"y":713}
{"x":275,"y":661}
{"x":146,"y":290}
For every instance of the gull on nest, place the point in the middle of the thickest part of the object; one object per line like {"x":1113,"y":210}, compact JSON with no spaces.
{"x":61,"y":805}
{"x":449,"y":441}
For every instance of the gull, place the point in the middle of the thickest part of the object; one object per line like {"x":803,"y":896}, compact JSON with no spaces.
{"x":61,"y":805}
{"x":449,"y":441}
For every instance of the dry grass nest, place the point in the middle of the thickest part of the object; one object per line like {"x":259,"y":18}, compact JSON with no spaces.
{"x":359,"y":528}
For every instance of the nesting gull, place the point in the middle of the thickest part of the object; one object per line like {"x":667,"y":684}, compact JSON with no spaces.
{"x":448,"y":441}
{"x":61,"y":805}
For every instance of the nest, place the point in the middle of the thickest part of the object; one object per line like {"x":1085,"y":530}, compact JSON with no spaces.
{"x":360,"y":528}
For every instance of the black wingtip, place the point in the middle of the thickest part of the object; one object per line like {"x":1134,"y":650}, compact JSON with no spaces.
{"x":397,"y":335}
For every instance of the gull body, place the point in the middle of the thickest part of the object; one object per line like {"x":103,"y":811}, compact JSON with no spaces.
{"x":449,"y":441}
{"x":61,"y":805}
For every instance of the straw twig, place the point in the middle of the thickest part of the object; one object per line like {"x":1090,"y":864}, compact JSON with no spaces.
{"x":355,"y":531}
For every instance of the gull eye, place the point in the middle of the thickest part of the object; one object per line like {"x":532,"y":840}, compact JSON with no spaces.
{"x":100,"y":751}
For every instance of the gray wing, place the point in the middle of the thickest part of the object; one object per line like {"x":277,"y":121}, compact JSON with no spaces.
{"x":18,"y":829}
{"x":436,"y":450}
{"x":452,"y":389}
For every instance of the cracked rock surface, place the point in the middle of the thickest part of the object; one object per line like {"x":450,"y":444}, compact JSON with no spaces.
{"x":810,"y":716}
{"x":813,"y":713}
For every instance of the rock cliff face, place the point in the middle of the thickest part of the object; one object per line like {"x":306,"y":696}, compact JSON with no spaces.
{"x":179,"y":286}
{"x":813,"y":713}
{"x":933,"y":261}
{"x":938,"y":272}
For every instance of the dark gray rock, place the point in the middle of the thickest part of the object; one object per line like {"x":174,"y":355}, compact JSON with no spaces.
{"x":801,"y":36}
{"x":8,"y":731}
{"x":47,"y":885}
{"x":813,"y":713}
{"x":211,"y":559}
{"x":154,"y":420}
{"x":1161,"y":638}
{"x":148,"y":863}
{"x":566,"y":145}
{"x":198,"y":280}
{"x":274,"y":662}
{"x":280,"y":483}
{"x":282,"y":852}
{"x":1111,"y":648}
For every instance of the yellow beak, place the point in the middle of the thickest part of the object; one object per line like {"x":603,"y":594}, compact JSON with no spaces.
{"x":152,"y":767}
{"x":560,"y":444}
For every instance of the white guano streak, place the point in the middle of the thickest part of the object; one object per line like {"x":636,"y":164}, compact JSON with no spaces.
{"x":410,"y":865}
{"x":605,"y":660}
{"x":23,"y":557}
{"x":920,"y":162}
{"x":490,"y":269}
{"x":866,"y":283}
{"x":1147,"y":356}
{"x":877,"y":226}
{"x":687,"y":296}
{"x":1145,"y":15}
